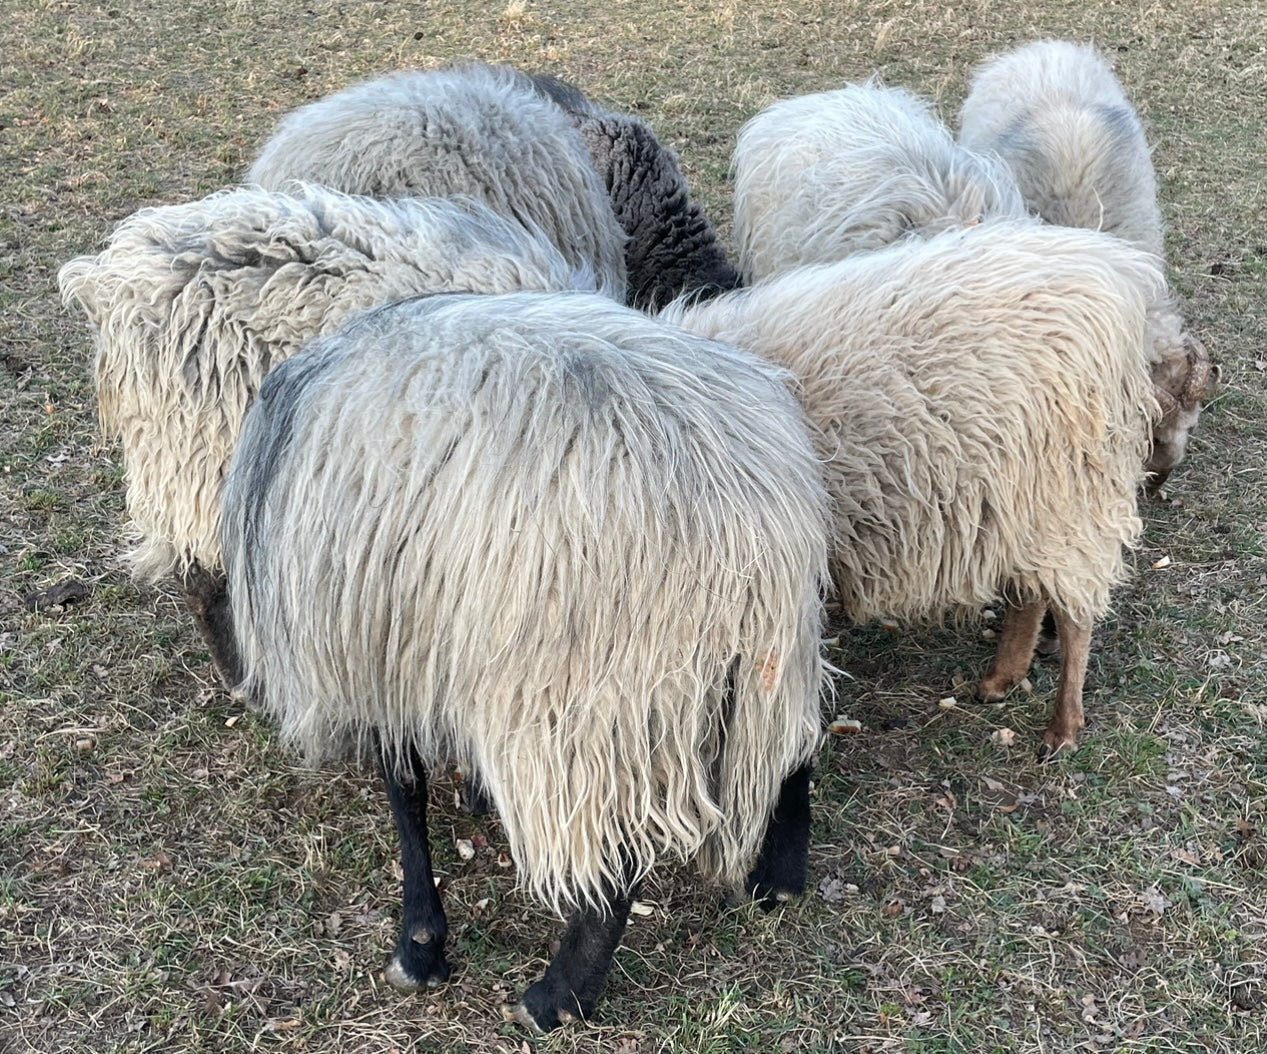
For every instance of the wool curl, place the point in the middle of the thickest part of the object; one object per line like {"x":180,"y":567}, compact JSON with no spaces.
{"x":980,"y":404}
{"x":561,"y":542}
{"x":821,"y":176}
{"x":191,"y":306}
{"x":471,"y":129}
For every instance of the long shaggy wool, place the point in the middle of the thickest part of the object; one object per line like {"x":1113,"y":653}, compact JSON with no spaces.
{"x":980,"y":403}
{"x":557,"y":540}
{"x":192,"y":305}
{"x":476,"y":130}
{"x":673,"y":249}
{"x":821,"y":176}
{"x":1054,"y":111}
{"x":1056,"y":114}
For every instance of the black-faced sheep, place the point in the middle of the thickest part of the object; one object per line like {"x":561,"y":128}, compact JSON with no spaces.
{"x":568,"y":545}
{"x":672,"y":249}
{"x":981,"y":405}
{"x":818,"y":177}
{"x":191,"y":306}
{"x":475,"y":130}
{"x":1055,"y":112}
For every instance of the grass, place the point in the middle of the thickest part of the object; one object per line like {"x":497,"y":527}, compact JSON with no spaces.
{"x":171,"y":881}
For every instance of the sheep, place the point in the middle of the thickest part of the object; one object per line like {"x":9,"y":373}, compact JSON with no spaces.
{"x":981,"y":403}
{"x":191,"y":305}
{"x":475,"y":130}
{"x":1055,"y":112}
{"x":818,"y":177}
{"x":672,"y":248}
{"x":576,"y":549}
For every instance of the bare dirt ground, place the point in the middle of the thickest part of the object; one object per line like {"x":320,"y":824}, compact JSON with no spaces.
{"x":170,"y":880}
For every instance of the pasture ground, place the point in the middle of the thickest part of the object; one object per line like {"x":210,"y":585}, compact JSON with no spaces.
{"x":172,"y":881}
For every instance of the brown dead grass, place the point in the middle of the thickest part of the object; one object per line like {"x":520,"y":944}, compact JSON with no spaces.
{"x":169,"y":881}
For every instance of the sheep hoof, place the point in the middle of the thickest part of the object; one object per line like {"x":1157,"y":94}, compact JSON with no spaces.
{"x":518,"y":1014}
{"x":1050,"y":751}
{"x":407,"y":979}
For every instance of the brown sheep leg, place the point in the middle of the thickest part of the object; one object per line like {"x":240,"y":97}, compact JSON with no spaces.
{"x":1015,"y":652}
{"x":1067,"y":718}
{"x":207,"y":595}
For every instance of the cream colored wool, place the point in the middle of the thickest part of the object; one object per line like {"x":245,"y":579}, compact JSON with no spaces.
{"x":191,"y":306}
{"x":477,"y":130}
{"x":538,"y":534}
{"x":819,"y":177}
{"x":981,"y":406}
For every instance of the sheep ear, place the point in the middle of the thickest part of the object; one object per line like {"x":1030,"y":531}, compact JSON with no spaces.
{"x":1203,"y":377}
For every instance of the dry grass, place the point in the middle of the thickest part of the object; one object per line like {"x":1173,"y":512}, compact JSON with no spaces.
{"x":170,"y":881}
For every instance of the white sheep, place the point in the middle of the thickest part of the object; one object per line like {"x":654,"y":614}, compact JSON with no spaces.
{"x":191,"y":306}
{"x":475,"y":130}
{"x":572,"y":547}
{"x":818,"y":177}
{"x":1054,"y":111}
{"x":981,"y":405}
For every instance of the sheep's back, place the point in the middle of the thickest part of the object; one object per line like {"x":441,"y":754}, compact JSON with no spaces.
{"x":540,"y":534}
{"x":1056,"y":114}
{"x":821,"y":176}
{"x":981,"y":405}
{"x":476,"y":130}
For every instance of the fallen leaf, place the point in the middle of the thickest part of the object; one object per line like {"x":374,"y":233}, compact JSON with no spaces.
{"x":55,"y":597}
{"x":832,"y":890}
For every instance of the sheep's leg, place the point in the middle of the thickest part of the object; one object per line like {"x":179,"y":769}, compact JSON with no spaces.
{"x":783,"y":864}
{"x":207,"y":595}
{"x":419,"y":958}
{"x":1067,"y":717}
{"x":1015,"y":652}
{"x":1048,"y":639}
{"x":473,"y":795}
{"x":573,"y":981}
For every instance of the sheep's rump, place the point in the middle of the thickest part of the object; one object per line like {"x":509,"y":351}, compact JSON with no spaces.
{"x":818,"y":177}
{"x":981,"y":405}
{"x":482,"y":131}
{"x":1056,"y":114}
{"x":557,"y":540}
{"x":191,"y":306}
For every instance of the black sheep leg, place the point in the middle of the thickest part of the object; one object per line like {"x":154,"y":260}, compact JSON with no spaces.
{"x":207,"y":595}
{"x":783,"y":866}
{"x":573,"y":981}
{"x":419,"y":958}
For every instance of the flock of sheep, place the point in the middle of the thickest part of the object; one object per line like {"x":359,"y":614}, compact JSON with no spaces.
{"x":467,"y":443}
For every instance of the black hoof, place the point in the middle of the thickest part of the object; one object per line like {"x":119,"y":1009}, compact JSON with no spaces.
{"x":776,"y":885}
{"x":546,"y":1006}
{"x":418,"y":964}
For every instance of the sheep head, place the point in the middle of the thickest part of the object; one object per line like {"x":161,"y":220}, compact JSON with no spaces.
{"x":1182,"y":385}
